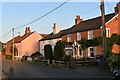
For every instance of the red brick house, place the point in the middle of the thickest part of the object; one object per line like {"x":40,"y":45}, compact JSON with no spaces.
{"x":88,"y":29}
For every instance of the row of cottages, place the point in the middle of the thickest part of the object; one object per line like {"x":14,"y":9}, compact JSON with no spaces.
{"x":26,"y":44}
{"x":87,"y":29}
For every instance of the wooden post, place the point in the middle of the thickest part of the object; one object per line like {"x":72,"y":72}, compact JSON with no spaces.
{"x":13,"y":45}
{"x":104,"y":29}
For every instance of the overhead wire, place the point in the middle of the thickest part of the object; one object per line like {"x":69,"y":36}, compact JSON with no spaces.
{"x":108,"y":6}
{"x":6,"y":34}
{"x":53,"y":11}
{"x":86,"y":12}
{"x":43,"y":15}
{"x":37,"y":18}
{"x":82,"y":13}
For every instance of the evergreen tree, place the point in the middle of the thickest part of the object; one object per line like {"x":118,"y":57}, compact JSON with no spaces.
{"x":48,"y":52}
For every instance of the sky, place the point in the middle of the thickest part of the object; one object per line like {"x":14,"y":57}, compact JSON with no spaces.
{"x":16,"y":14}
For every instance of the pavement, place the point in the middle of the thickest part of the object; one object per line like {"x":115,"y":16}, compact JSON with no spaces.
{"x":94,"y":70}
{"x":18,"y":69}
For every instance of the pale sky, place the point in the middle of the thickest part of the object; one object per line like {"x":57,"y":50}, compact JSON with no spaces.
{"x":15,"y":14}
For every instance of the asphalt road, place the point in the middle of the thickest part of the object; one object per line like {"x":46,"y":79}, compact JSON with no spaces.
{"x":18,"y":69}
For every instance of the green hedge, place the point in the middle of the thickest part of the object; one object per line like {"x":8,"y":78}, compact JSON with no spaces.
{"x":113,"y":61}
{"x":8,"y":57}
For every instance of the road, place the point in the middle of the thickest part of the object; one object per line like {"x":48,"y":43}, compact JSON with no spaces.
{"x":18,"y":69}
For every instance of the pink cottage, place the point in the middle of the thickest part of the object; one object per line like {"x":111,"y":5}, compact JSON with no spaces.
{"x":26,"y":44}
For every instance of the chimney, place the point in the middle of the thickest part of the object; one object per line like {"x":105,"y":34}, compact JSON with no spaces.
{"x":117,"y":8}
{"x":27,"y":30}
{"x":56,"y":29}
{"x":117,"y":11}
{"x":78,"y":20}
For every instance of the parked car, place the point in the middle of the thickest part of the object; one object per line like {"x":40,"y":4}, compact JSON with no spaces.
{"x":116,"y":74}
{"x":36,"y":56}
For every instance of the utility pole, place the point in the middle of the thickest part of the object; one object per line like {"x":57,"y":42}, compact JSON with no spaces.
{"x":103,"y":29}
{"x":13,"y":46}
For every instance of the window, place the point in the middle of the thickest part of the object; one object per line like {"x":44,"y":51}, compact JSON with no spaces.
{"x":78,"y":36}
{"x":107,"y":32}
{"x":90,"y":34}
{"x":91,"y":52}
{"x":69,"y":38}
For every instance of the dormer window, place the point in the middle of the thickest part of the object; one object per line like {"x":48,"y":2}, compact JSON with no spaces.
{"x":69,"y":38}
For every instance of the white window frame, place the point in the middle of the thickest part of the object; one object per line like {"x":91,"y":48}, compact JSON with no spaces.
{"x":69,"y":38}
{"x":90,"y":34}
{"x":78,"y":36}
{"x":107,"y":32}
{"x":91,"y":52}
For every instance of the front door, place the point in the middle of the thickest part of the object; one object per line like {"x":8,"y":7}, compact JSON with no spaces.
{"x":80,"y":53}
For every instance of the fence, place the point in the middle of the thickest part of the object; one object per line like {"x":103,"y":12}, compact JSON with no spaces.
{"x":54,"y":62}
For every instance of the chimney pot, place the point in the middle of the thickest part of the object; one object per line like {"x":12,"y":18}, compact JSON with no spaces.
{"x":56,"y":29}
{"x":27,"y":30}
{"x":78,"y":20}
{"x":117,"y":8}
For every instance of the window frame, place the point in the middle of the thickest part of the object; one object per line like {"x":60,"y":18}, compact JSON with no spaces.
{"x":69,"y":38}
{"x":92,"y":52}
{"x":107,"y":32}
{"x":78,"y":36}
{"x":90,"y":34}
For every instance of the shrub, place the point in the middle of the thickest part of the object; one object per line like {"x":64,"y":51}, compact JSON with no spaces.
{"x":48,"y":53}
{"x":59,"y":52}
{"x":113,"y":61}
{"x":83,"y":43}
{"x":66,"y":60}
{"x":8,"y":57}
{"x":15,"y":50}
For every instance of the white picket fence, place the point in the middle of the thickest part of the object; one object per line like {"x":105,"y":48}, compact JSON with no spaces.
{"x":54,"y":62}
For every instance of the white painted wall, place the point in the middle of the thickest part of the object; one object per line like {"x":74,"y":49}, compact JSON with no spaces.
{"x":52,"y":42}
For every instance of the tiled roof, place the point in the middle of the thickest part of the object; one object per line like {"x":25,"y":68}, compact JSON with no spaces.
{"x":24,"y":37}
{"x":44,"y":35}
{"x":48,"y":36}
{"x":90,"y":24}
{"x":16,"y":39}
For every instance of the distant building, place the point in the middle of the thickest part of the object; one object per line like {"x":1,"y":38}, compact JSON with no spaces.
{"x":87,"y":29}
{"x":26,"y":44}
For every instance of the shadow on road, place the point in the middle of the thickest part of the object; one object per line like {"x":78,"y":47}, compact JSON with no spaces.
{"x":11,"y":72}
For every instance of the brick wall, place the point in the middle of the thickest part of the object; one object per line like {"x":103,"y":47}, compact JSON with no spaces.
{"x":84,"y":35}
{"x":113,"y":25}
{"x":74,"y":37}
{"x":64,"y":38}
{"x":97,"y":33}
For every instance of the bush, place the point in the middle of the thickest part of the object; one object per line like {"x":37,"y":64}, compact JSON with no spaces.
{"x":66,"y":60}
{"x":59,"y":52}
{"x":113,"y":61}
{"x":48,"y":53}
{"x":8,"y":57}
{"x":15,"y":50}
